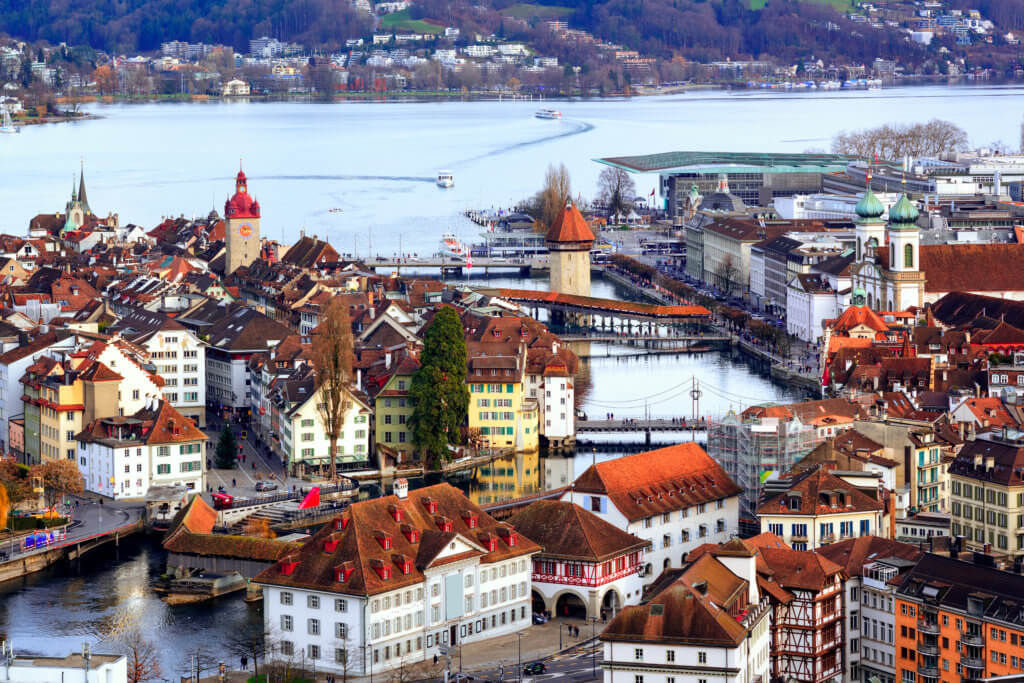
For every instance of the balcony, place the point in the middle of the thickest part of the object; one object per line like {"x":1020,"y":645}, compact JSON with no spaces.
{"x":972,"y":662}
{"x":926,"y":649}
{"x":972,"y":639}
{"x":799,"y":538}
{"x":928,"y":627}
{"x":928,"y":671}
{"x":828,"y":538}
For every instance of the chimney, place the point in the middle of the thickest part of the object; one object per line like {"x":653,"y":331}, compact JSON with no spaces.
{"x":401,"y":488}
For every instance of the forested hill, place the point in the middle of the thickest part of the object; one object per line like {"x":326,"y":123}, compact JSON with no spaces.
{"x":702,"y":30}
{"x":141,"y":25}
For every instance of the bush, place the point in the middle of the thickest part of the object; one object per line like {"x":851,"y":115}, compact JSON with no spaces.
{"x":36,"y":523}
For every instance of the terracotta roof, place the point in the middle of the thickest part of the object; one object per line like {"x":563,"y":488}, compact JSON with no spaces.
{"x":816,"y":492}
{"x":569,"y":227}
{"x":800,"y":569}
{"x":658,"y":481}
{"x":853,"y":553}
{"x":191,"y":533}
{"x":855,"y":316}
{"x":956,"y":267}
{"x":1003,"y":334}
{"x":700,"y":606}
{"x":990,"y":409}
{"x":1006,"y":460}
{"x":565,"y":530}
{"x":358,"y":545}
{"x":652,"y":310}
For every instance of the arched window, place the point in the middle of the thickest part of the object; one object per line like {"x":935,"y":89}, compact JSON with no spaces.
{"x":871,"y":303}
{"x":908,"y":256}
{"x":892,"y":255}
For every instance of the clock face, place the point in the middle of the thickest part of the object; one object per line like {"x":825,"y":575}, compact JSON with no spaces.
{"x":245,"y":230}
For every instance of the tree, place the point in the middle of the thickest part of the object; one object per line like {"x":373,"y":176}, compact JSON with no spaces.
{"x":616,"y":190}
{"x":440,"y":398}
{"x":143,"y":662}
{"x":895,"y":141}
{"x":5,"y":506}
{"x":332,"y":362}
{"x":553,"y":196}
{"x":727,"y":272}
{"x":227,"y":448}
{"x":252,"y":641}
{"x":59,"y":478}
{"x":14,"y":479}
{"x":106,"y":80}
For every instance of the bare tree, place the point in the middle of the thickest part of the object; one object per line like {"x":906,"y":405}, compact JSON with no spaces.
{"x":332,"y":361}
{"x":616,"y":190}
{"x":553,"y":196}
{"x":350,"y":655}
{"x":143,"y":664}
{"x":727,"y":272}
{"x":252,"y":641}
{"x":894,"y":141}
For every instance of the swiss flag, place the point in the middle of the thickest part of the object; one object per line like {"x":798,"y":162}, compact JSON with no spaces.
{"x":312,"y":499}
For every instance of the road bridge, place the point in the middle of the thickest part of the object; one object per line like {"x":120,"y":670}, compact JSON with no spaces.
{"x":452,"y":266}
{"x":640,"y":426}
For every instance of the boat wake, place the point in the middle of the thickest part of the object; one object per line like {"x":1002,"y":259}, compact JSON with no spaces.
{"x":393,"y":178}
{"x":571,"y":128}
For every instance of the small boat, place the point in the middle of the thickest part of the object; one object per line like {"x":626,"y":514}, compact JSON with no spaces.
{"x":451,"y":247}
{"x":445,"y":179}
{"x":548,"y":114}
{"x":8,"y":125}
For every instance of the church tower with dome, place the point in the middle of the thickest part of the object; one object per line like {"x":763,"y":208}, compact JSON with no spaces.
{"x":242,"y":222}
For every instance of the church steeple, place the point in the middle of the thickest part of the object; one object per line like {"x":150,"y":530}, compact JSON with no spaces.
{"x":81,"y":190}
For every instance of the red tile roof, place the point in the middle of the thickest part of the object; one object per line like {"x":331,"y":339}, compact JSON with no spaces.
{"x":800,"y":569}
{"x":610,"y":305}
{"x":956,"y":267}
{"x":854,"y":316}
{"x":565,"y":530}
{"x":853,"y":553}
{"x":570,"y":226}
{"x":816,"y":492}
{"x":658,"y":481}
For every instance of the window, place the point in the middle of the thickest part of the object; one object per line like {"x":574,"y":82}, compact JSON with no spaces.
{"x":287,"y":648}
{"x":670,"y":656}
{"x":638,"y":654}
{"x":313,"y":627}
{"x":286,"y":598}
{"x":314,"y":652}
{"x":638,"y":679}
{"x":340,"y":656}
{"x":341,"y":630}
{"x":313,"y":601}
{"x":702,"y":657}
{"x":286,"y":622}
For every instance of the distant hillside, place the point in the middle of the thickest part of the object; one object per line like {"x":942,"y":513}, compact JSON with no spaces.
{"x":134,"y":25}
{"x":702,"y":30}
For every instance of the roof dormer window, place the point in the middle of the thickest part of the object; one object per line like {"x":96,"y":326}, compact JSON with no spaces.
{"x":431,"y":505}
{"x":330,"y":545}
{"x":397,"y":513}
{"x":288,"y":566}
{"x":471,"y":520}
{"x":343,"y":572}
{"x":384,"y":540}
{"x":411,"y":535}
{"x":444,"y":524}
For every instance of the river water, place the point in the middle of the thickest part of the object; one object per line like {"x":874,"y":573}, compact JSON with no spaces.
{"x":377,"y":162}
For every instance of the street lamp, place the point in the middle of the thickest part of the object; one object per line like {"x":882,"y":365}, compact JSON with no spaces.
{"x":593,"y":636}
{"x":519,"y":668}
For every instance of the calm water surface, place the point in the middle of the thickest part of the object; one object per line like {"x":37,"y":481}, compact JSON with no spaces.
{"x":377,"y":163}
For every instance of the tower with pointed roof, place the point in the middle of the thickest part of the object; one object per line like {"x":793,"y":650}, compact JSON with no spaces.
{"x":569,"y":242}
{"x":242,"y":225}
{"x":77,"y":208}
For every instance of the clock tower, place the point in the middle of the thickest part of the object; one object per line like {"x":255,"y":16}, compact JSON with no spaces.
{"x":242,"y":222}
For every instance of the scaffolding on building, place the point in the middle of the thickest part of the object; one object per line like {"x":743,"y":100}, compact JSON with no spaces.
{"x":755,"y":449}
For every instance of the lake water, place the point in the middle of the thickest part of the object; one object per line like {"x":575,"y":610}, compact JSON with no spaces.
{"x":377,"y":161}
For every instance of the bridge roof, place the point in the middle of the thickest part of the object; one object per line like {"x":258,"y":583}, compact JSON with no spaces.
{"x":729,"y":162}
{"x":606,"y":305}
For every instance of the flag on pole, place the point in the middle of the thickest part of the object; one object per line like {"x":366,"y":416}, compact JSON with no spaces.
{"x":312,"y":499}
{"x":652,"y":192}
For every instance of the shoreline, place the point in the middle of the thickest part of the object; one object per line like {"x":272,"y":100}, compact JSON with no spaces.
{"x":54,"y":118}
{"x":453,"y":96}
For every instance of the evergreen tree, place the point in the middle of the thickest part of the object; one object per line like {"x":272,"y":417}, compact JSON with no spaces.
{"x":226,"y":449}
{"x":440,"y":398}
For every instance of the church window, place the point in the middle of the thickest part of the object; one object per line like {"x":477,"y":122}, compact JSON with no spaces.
{"x":908,"y":256}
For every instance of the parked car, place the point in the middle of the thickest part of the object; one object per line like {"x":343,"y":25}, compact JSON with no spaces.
{"x":534,"y":669}
{"x":266,"y":486}
{"x":539,"y":618}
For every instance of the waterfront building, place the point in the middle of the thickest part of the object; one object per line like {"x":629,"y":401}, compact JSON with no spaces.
{"x":392,"y":408}
{"x":569,"y":242}
{"x":676,"y":498}
{"x":304,"y":445}
{"x":499,"y":410}
{"x":91,"y":667}
{"x":872,"y":566}
{"x":810,"y":301}
{"x":826,"y":206}
{"x":587,"y":567}
{"x":124,"y":457}
{"x":815,"y":508}
{"x":987,"y":493}
{"x":242,"y":218}
{"x":706,"y":621}
{"x":179,"y":357}
{"x":397,"y":580}
{"x":755,"y":178}
{"x":958,"y":621}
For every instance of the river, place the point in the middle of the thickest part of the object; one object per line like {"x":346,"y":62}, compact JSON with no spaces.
{"x":377,"y":162}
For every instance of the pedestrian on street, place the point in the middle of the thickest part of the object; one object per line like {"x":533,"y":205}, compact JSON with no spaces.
{"x":245,"y":662}
{"x":233,"y":482}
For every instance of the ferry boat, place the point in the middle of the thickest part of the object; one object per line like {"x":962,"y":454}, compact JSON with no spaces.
{"x":451,"y":247}
{"x":548,"y":114}
{"x":445,"y":179}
